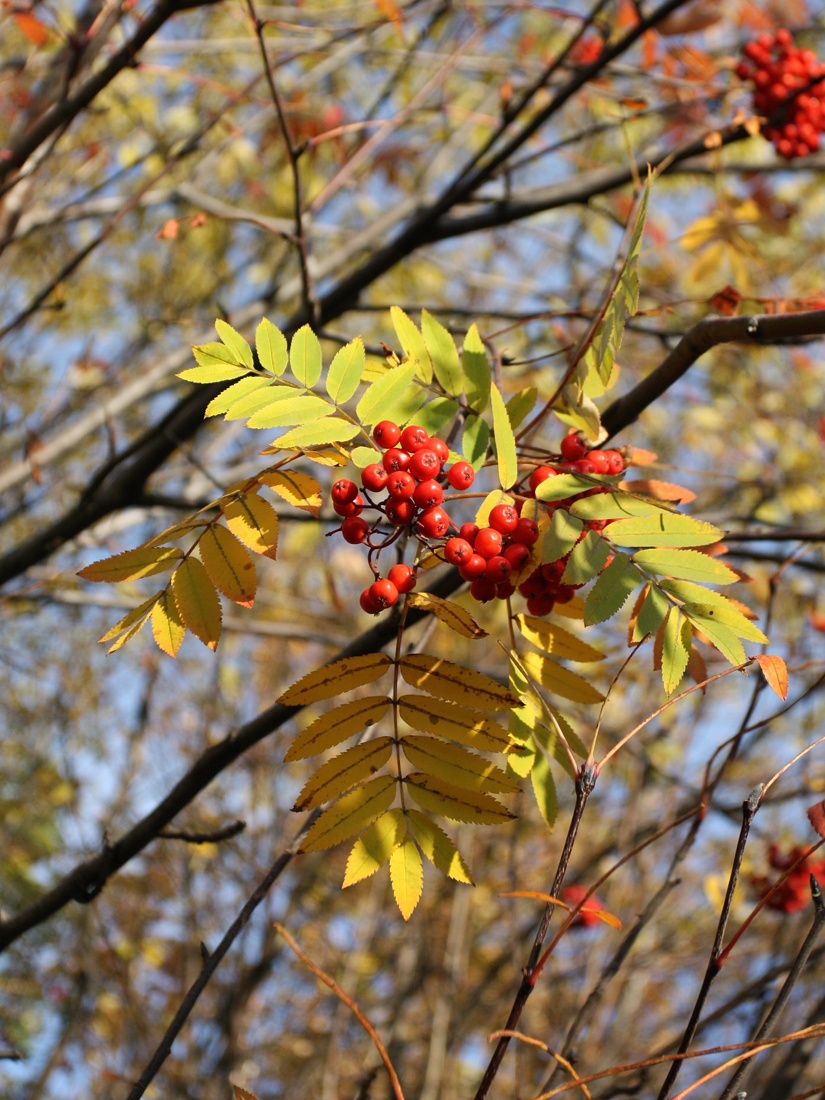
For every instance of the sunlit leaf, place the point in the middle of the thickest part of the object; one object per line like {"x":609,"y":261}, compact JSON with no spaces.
{"x":254,"y":521}
{"x":345,"y":371}
{"x":587,"y":559}
{"x":236,"y":344}
{"x":455,"y":683}
{"x":438,"y":848}
{"x":337,"y":725}
{"x":435,"y":796}
{"x":229,"y":564}
{"x":560,"y":680}
{"x":247,"y":386}
{"x":167,"y":627}
{"x":406,"y":877}
{"x":329,"y":429}
{"x":554,"y":639}
{"x":563,"y":486}
{"x":344,"y":771}
{"x":443,"y":354}
{"x":475,"y":440}
{"x":335,"y":679}
{"x":299,"y":409}
{"x":456,"y":765}
{"x":350,"y":814}
{"x":216,"y":363}
{"x":652,"y":612}
{"x":614,"y":504}
{"x":611,"y":590}
{"x":664,"y":529}
{"x":412,"y":343}
{"x":544,"y":789}
{"x":371,"y":408}
{"x":298,"y":489}
{"x":675,"y":649}
{"x":453,"y":723}
{"x":197,"y":601}
{"x":270,"y":344}
{"x":561,"y":536}
{"x":374,"y":847}
{"x":476,"y":369}
{"x":691,"y":565}
{"x":131,"y":565}
{"x":305,"y":359}
{"x":775,"y":672}
{"x":448,"y":612}
{"x":505,"y":441}
{"x":131,"y":623}
{"x":719,"y":636}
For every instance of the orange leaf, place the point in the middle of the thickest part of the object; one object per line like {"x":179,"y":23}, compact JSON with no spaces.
{"x":816,"y":816}
{"x":776,"y":673}
{"x":169,"y":230}
{"x":31,"y":26}
{"x":725,"y":301}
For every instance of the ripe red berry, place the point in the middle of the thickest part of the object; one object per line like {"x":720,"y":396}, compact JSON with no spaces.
{"x":368,"y":604}
{"x":573,"y":446}
{"x":427,"y":493}
{"x":434,"y":523}
{"x":504,"y":590}
{"x":540,"y":605}
{"x":395,"y":459}
{"x":457,"y":551}
{"x":540,"y":474}
{"x":414,"y":438}
{"x":403,"y":577}
{"x":600,"y":462}
{"x":517,"y":554}
{"x":488,"y":542}
{"x":353,"y":508}
{"x":400,"y":512}
{"x":400,"y":485}
{"x":386,"y":433}
{"x":526,"y":532}
{"x":355,"y":530}
{"x":374,"y":477}
{"x":473,"y":567}
{"x":461,"y":475}
{"x":424,"y":464}
{"x":383,"y":593}
{"x":503,"y":518}
{"x":344,"y":491}
{"x":440,"y":448}
{"x":615,"y":461}
{"x":469,"y":531}
{"x":584,"y":466}
{"x":498,"y":569}
{"x":483,"y":589}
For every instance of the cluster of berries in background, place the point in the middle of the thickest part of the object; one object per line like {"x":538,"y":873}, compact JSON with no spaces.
{"x":788,"y":82}
{"x":407,"y":493}
{"x":795,"y":891}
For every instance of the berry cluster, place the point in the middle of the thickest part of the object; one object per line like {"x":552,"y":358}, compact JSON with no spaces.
{"x":790,"y":83}
{"x":795,"y":891}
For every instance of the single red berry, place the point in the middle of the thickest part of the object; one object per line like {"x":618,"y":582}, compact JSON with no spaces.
{"x":551,"y":571}
{"x":469,"y":531}
{"x":483,"y":589}
{"x":540,"y":605}
{"x":386,"y":433}
{"x":400,"y":512}
{"x":504,"y":590}
{"x":400,"y":485}
{"x":600,"y":462}
{"x":353,"y":508}
{"x":440,"y":448}
{"x":461,"y":475}
{"x":368,"y":604}
{"x":573,"y":446}
{"x":540,"y":474}
{"x":355,"y":530}
{"x":564,"y":593}
{"x":374,"y":477}
{"x":414,"y":438}
{"x":434,"y":523}
{"x":534,"y":586}
{"x":344,"y":491}
{"x":498,"y":569}
{"x":394,"y":459}
{"x":457,"y":551}
{"x":517,"y":554}
{"x":615,"y":461}
{"x":424,"y":464}
{"x":427,"y":493}
{"x":526,"y":532}
{"x":383,"y":593}
{"x":503,"y":518}
{"x":403,"y":577}
{"x":473,"y":567}
{"x":488,"y":542}
{"x":584,"y":466}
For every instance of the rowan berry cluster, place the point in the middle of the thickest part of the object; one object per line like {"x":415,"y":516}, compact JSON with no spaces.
{"x":795,"y":891}
{"x":790,"y":83}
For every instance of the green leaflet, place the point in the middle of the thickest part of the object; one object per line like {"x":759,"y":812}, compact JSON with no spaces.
{"x":713,"y":605}
{"x":236,"y":344}
{"x":562,"y":486}
{"x":256,"y":399}
{"x":443,"y":353}
{"x":305,"y":356}
{"x":388,"y":388}
{"x":544,"y":788}
{"x":651,"y":614}
{"x":436,"y":413}
{"x":244,"y":388}
{"x":611,"y":590}
{"x":586,"y":560}
{"x":412,"y":343}
{"x":475,"y":441}
{"x":691,"y":565}
{"x":216,"y":363}
{"x":720,"y":636}
{"x":561,"y":536}
{"x":476,"y":368}
{"x":664,"y":529}
{"x":521,"y":405}
{"x":330,"y":429}
{"x":345,"y":371}
{"x":505,"y":441}
{"x":615,"y":504}
{"x":292,"y":410}
{"x":675,"y":649}
{"x":270,"y":344}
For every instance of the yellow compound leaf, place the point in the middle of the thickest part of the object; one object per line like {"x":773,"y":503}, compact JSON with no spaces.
{"x":344,"y":771}
{"x":455,"y":683}
{"x":775,"y":672}
{"x":300,"y":490}
{"x":456,"y":765}
{"x":438,"y":848}
{"x":374,"y":847}
{"x":337,"y":725}
{"x":130,"y":624}
{"x":229,"y":564}
{"x":556,"y":640}
{"x":406,"y":877}
{"x":451,"y":614}
{"x":197,"y":601}
{"x":131,"y":565}
{"x":437,"y":797}
{"x":453,"y":723}
{"x":254,"y":521}
{"x":335,"y":679}
{"x":560,"y":680}
{"x":350,"y":814}
{"x":167,"y":627}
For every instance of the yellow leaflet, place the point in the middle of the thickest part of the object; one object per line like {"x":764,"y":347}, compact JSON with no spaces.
{"x":229,"y":565}
{"x":556,"y":640}
{"x":451,"y":614}
{"x":300,"y":490}
{"x":197,"y":601}
{"x":407,"y":877}
{"x":227,"y":398}
{"x":438,"y":848}
{"x":455,"y":683}
{"x":560,"y":680}
{"x":337,"y":725}
{"x":270,"y":344}
{"x":456,"y":765}
{"x":327,"y":457}
{"x":167,"y":627}
{"x":453,"y":723}
{"x":676,"y":640}
{"x":504,"y":439}
{"x":350,"y":814}
{"x":437,"y":797}
{"x":144,"y":561}
{"x":573,"y":609}
{"x":412,"y":343}
{"x":254,"y":521}
{"x":138,"y":614}
{"x":690,"y":565}
{"x":175,"y":531}
{"x":235,"y":342}
{"x":336,"y":678}
{"x":374,"y":846}
{"x":344,"y":771}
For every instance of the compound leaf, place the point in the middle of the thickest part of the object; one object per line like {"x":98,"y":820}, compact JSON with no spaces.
{"x":560,"y":680}
{"x":216,"y":363}
{"x":611,"y":590}
{"x":167,"y":627}
{"x":297,"y":489}
{"x":227,"y":398}
{"x":281,"y":413}
{"x":131,"y":565}
{"x":456,"y":765}
{"x":663,"y":529}
{"x":556,"y":640}
{"x":330,"y":429}
{"x":453,"y":723}
{"x":451,"y":614}
{"x":691,"y":565}
{"x":374,"y":846}
{"x":236,"y":343}
{"x":587,"y":559}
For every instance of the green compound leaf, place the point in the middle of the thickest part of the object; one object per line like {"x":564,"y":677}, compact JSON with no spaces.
{"x":505,"y":441}
{"x":437,"y":847}
{"x":244,"y":388}
{"x":381,"y":394}
{"x":345,"y":371}
{"x":374,"y":846}
{"x":294,"y":410}
{"x":664,"y":529}
{"x":714,"y":605}
{"x":329,"y":429}
{"x":412,"y":343}
{"x":443,"y":354}
{"x":240,"y":349}
{"x":216,"y":363}
{"x":690,"y":565}
{"x":721,"y":637}
{"x":611,"y":590}
{"x":270,"y":344}
{"x":476,"y":368}
{"x":305,"y":356}
{"x":675,"y":649}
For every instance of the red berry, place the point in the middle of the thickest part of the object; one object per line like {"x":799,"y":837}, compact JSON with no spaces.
{"x":374,"y":477}
{"x":461,"y":475}
{"x":540,"y":605}
{"x":615,"y":461}
{"x":526,"y":532}
{"x":400,"y":512}
{"x":488,"y":542}
{"x":584,"y":466}
{"x":469,"y":531}
{"x":400,"y":485}
{"x":427,"y":493}
{"x":434,"y":523}
{"x":573,"y":447}
{"x":344,"y":491}
{"x":424,"y":464}
{"x":440,"y":448}
{"x":414,"y":438}
{"x":498,"y":569}
{"x":473,"y":567}
{"x":368,"y":604}
{"x":386,"y":433}
{"x":403,"y":577}
{"x":517,"y":554}
{"x":457,"y":551}
{"x":355,"y":530}
{"x":504,"y":590}
{"x":600,"y":462}
{"x":353,"y":508}
{"x":483,"y":589}
{"x":540,"y":474}
{"x":503,"y":518}
{"x":394,"y":459}
{"x":383,"y":593}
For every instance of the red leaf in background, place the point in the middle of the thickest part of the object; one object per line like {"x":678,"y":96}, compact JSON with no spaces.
{"x":725,"y":301}
{"x":816,"y":816}
{"x":31,"y":26}
{"x":169,"y":231}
